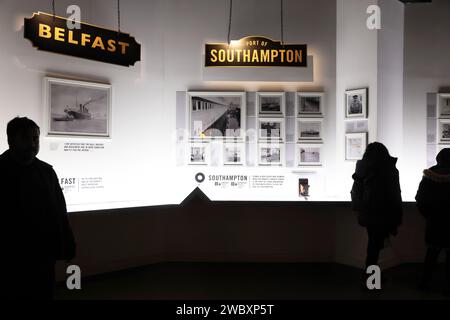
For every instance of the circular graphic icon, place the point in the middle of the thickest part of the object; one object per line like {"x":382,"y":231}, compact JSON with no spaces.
{"x":200,"y":177}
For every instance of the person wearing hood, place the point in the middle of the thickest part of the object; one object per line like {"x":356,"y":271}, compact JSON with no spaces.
{"x":433,"y":201}
{"x":376,"y":196}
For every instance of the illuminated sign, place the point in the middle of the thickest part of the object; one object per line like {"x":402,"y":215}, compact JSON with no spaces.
{"x":50,"y":33}
{"x":255,"y":52}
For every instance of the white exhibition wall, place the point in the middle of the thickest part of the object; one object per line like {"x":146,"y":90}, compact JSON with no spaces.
{"x":368,"y":59}
{"x":137,"y":166}
{"x":356,"y":68}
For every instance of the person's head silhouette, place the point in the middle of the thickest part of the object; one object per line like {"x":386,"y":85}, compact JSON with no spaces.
{"x":376,"y":152}
{"x":23,"y":139}
{"x":443,"y":157}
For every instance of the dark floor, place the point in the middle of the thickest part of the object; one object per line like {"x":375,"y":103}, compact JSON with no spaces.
{"x":209,"y":281}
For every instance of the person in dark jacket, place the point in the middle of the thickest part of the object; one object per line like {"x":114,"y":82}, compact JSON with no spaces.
{"x":35,"y":228}
{"x":376,"y":196}
{"x":433,"y":201}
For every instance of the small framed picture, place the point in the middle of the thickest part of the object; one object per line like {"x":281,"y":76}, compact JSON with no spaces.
{"x":271,"y":103}
{"x":270,"y":154}
{"x":356,"y":103}
{"x":77,"y":108}
{"x":444,"y":131}
{"x":309,"y":154}
{"x":355,"y":145}
{"x":199,"y":153}
{"x":443,"y":105}
{"x":303,"y":188}
{"x":309,"y":104}
{"x":356,"y":125}
{"x":309,"y":129}
{"x":216,"y":115}
{"x":233,"y":153}
{"x":271,"y":128}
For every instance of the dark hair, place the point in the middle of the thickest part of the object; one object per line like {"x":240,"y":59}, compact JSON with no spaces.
{"x":376,"y":151}
{"x":443,"y":157}
{"x":19,"y":125}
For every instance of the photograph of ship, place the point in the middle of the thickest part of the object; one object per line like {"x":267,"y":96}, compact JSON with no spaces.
{"x":270,"y":129}
{"x":216,"y":115}
{"x":270,"y":155}
{"x":270,"y":105}
{"x":310,"y":130}
{"x":310,"y":155}
{"x":78,"y":110}
{"x":309,"y":104}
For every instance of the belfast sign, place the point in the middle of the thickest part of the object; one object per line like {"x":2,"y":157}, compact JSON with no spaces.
{"x":51,"y":33}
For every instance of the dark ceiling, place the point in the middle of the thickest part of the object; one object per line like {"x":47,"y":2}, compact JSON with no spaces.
{"x":416,"y":1}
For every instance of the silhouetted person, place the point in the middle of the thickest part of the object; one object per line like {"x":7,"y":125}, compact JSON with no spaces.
{"x":35,"y":229}
{"x":433,"y":200}
{"x":376,"y":196}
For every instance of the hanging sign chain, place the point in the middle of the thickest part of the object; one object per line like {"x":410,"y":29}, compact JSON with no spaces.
{"x":229,"y":20}
{"x":54,"y":11}
{"x":118,"y":15}
{"x":282,"y":23}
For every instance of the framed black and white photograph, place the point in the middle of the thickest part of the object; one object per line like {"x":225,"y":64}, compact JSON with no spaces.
{"x":216,"y":115}
{"x":199,"y":153}
{"x":309,"y":104}
{"x":444,"y":131}
{"x":270,"y":154}
{"x":77,"y":108}
{"x":271,"y":128}
{"x":271,"y":103}
{"x":355,"y":145}
{"x":356,"y":126}
{"x":443,"y":105}
{"x":356,"y":103}
{"x":309,"y":154}
{"x":309,"y":129}
{"x":233,"y":153}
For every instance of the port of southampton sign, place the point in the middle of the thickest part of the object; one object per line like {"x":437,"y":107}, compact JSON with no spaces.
{"x":255,"y":52}
{"x":50,"y":33}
